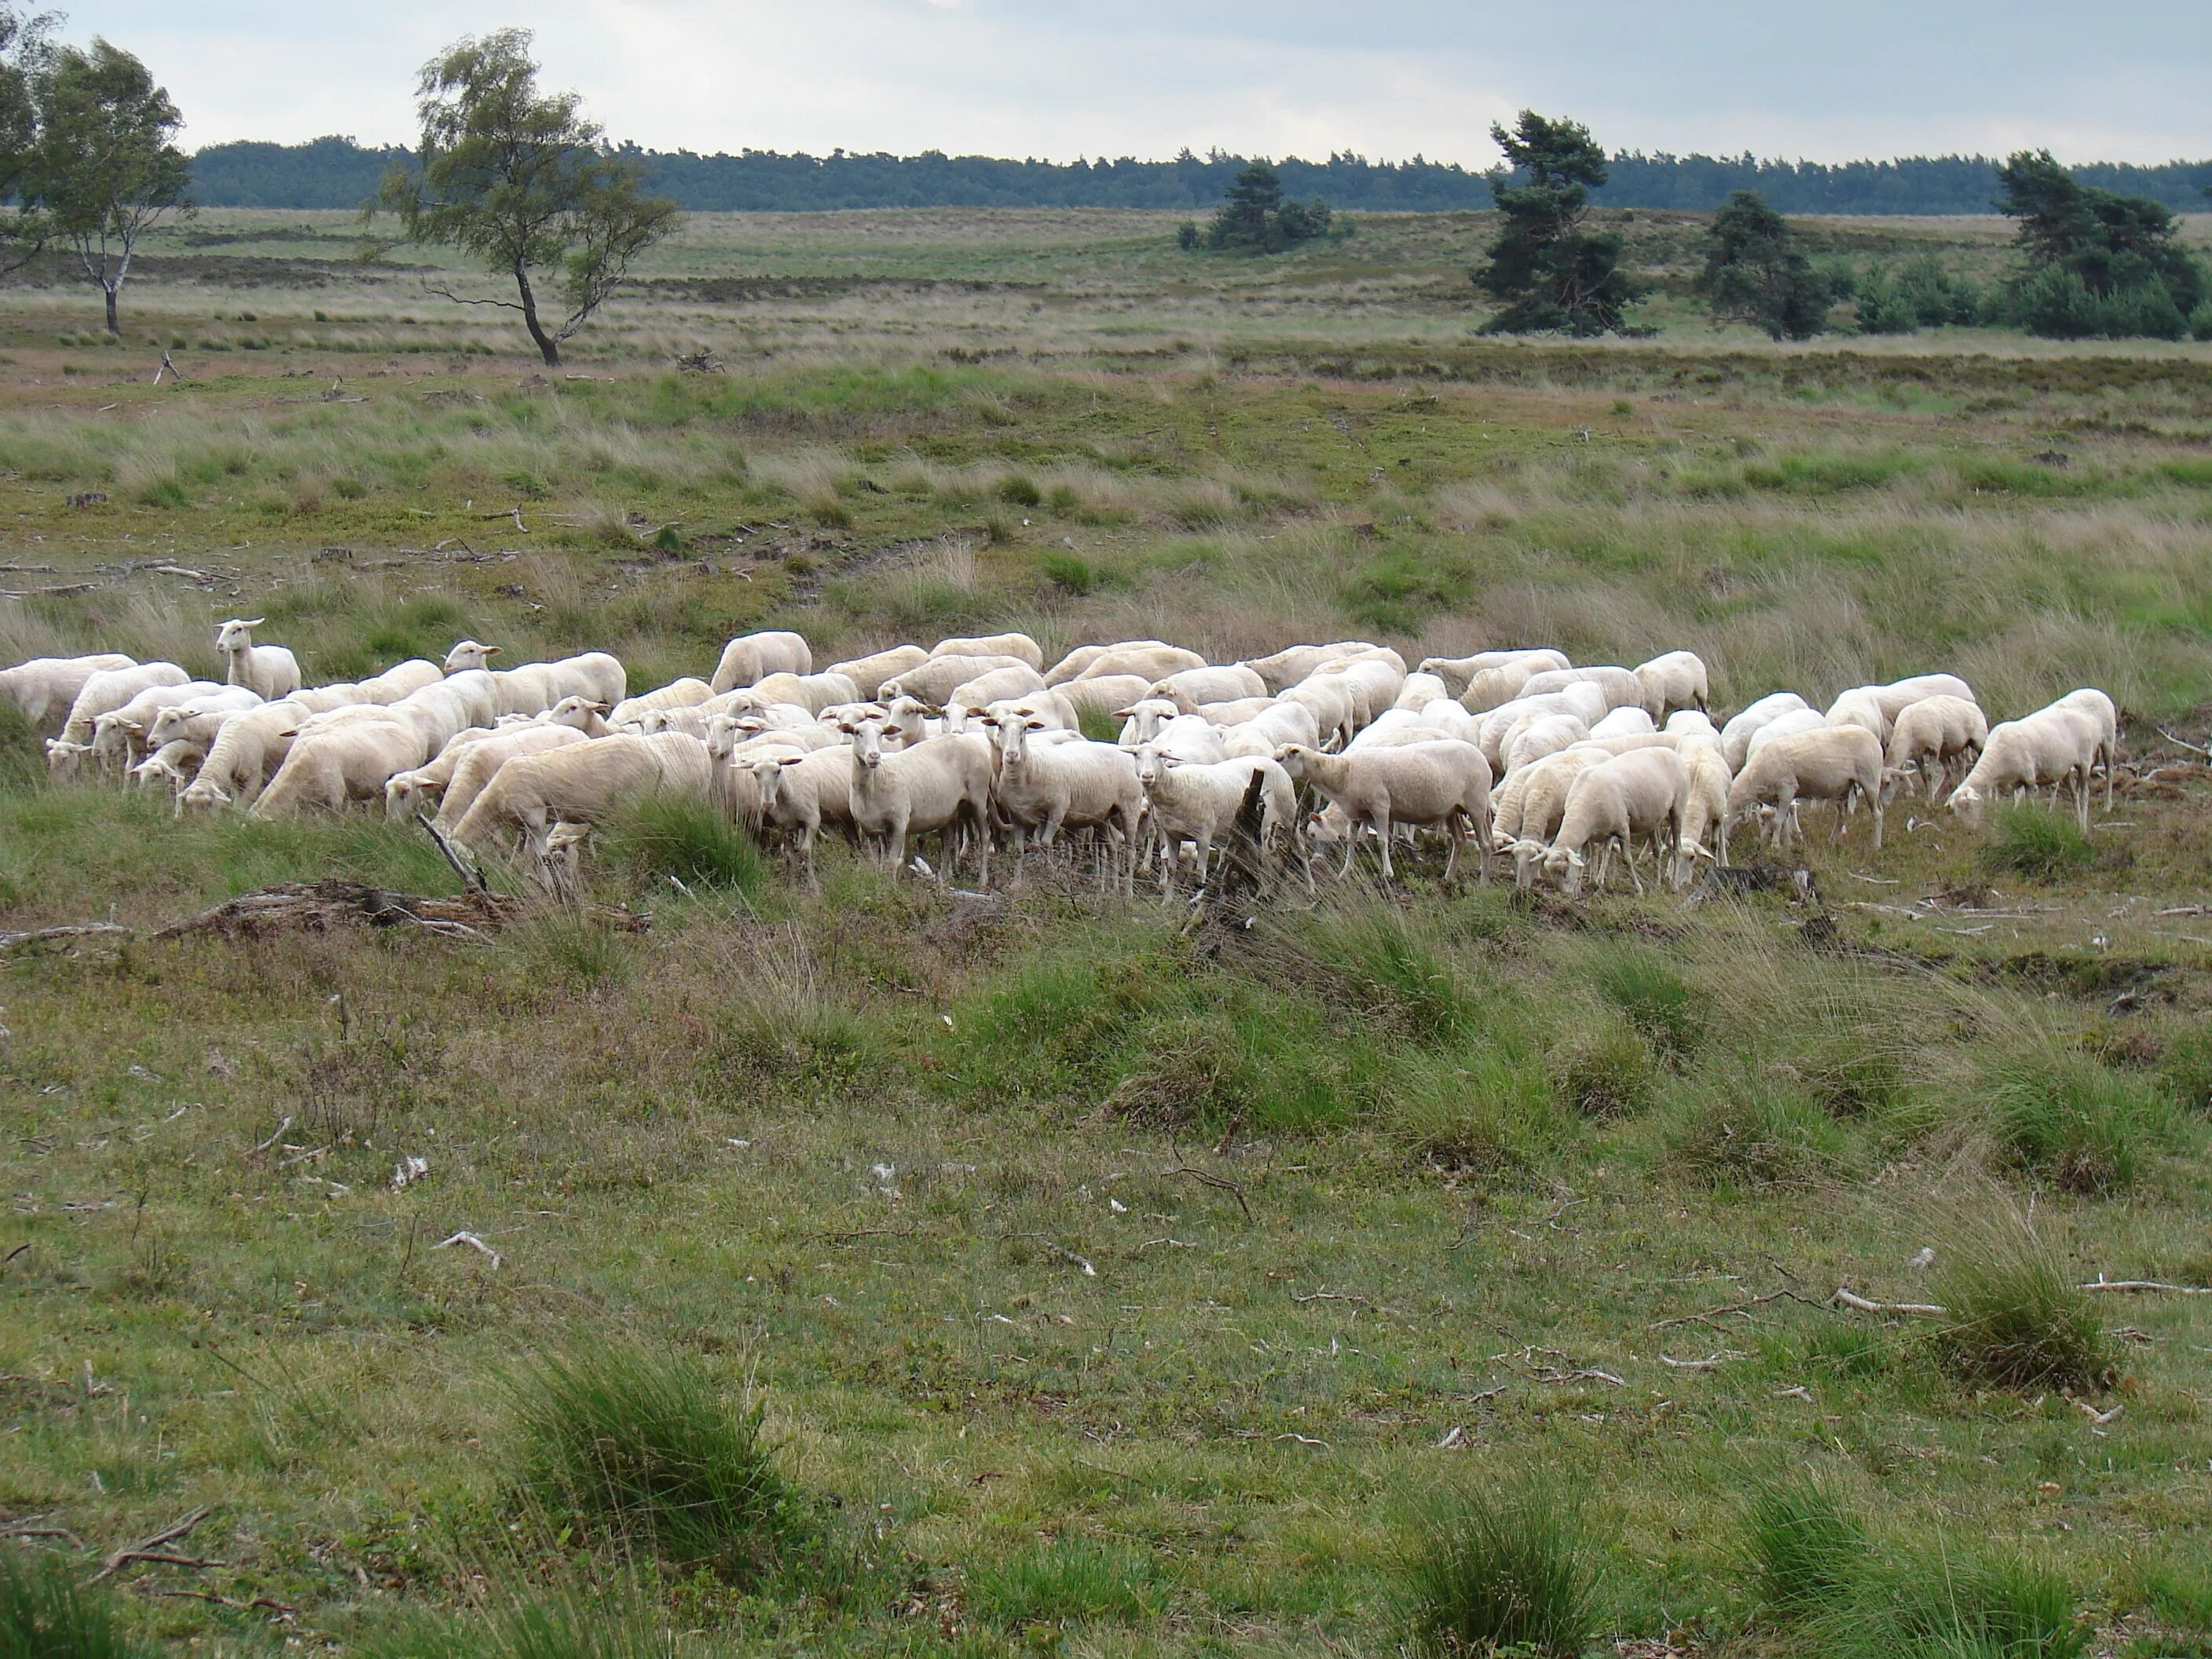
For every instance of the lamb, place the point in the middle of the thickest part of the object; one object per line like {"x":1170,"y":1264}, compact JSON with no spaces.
{"x":1622,"y":689}
{"x":270,"y":671}
{"x":993,"y":645}
{"x":1736,"y":735}
{"x":1458,"y":672}
{"x":44,"y":688}
{"x":2051,"y":747}
{"x":1193,"y":686}
{"x":1198,"y":801}
{"x":944,"y":784}
{"x":933,"y":681}
{"x":1154,"y":661}
{"x":869,"y":672}
{"x":800,"y":794}
{"x":1444,"y":783}
{"x":584,"y":783}
{"x":1641,"y":793}
{"x":1672,"y":680}
{"x":750,"y":658}
{"x":678,"y":694}
{"x":119,"y":736}
{"x":2100,"y":707}
{"x":175,"y":763}
{"x":323,"y":770}
{"x":1837,"y":763}
{"x":247,"y":751}
{"x":1931,"y":739}
{"x":1081,"y":785}
{"x":475,"y":766}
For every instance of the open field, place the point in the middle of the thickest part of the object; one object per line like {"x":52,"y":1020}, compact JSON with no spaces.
{"x":1110,"y":1281}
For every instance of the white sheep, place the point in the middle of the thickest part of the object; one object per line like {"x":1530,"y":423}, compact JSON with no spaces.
{"x":686,"y":693}
{"x":1458,"y":672}
{"x":752,"y":657}
{"x":394,"y":682}
{"x":935,"y":680}
{"x":1544,"y":734}
{"x":1736,"y":735}
{"x":1705,"y":808}
{"x":1149,"y":657}
{"x":1282,"y":723}
{"x":1197,"y":801}
{"x":1838,"y":763}
{"x":175,"y":763}
{"x":119,"y":736}
{"x":1044,"y":788}
{"x":1420,"y":690}
{"x":1294,"y":662}
{"x":941,"y":785}
{"x":1374,"y":681}
{"x":1624,"y":723}
{"x":1931,"y":739}
{"x":1190,"y":686}
{"x":1622,"y":689}
{"x":325,"y":769}
{"x":1791,"y":724}
{"x":869,"y":672}
{"x":584,"y":783}
{"x":1084,"y":655}
{"x":270,"y":669}
{"x":993,"y":645}
{"x":473,"y":768}
{"x":247,"y":753}
{"x":1104,"y":694}
{"x":800,"y":794}
{"x":2051,"y":748}
{"x":1329,"y":699}
{"x":1444,"y":784}
{"x":1527,"y":809}
{"x":44,"y":688}
{"x":995,"y":686}
{"x":1672,"y":680}
{"x":1643,"y":794}
{"x":102,"y":694}
{"x":2099,"y":707}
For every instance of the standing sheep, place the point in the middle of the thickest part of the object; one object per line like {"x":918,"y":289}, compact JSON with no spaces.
{"x":753,"y":657}
{"x":944,"y":784}
{"x":1443,"y":784}
{"x":1932,"y":738}
{"x":270,"y":671}
{"x":1641,"y":793}
{"x":44,"y":688}
{"x":1839,"y":763}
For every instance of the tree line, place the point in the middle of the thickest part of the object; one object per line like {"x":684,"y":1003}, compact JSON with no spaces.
{"x":337,"y":172}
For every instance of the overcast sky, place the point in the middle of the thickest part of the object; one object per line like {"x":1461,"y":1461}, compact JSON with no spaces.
{"x":2121,"y":81}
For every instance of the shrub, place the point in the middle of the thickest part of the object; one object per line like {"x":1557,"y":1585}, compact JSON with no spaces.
{"x":1069,"y":572}
{"x":2079,"y":1124}
{"x":1510,"y":1565}
{"x":1805,"y":1547}
{"x":2016,"y":1321}
{"x":2035,"y":842}
{"x":1020,"y":490}
{"x":1067,"y":1582}
{"x":1489,"y":1114}
{"x":1607,"y":1070}
{"x":641,"y":1446}
{"x":45,"y":1613}
{"x":692,"y":840}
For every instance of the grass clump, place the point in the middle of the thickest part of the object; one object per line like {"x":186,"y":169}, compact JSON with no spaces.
{"x":45,"y":1613}
{"x":1928,"y":1606}
{"x":1806,"y":1546}
{"x":1640,"y":982}
{"x":2035,"y":842}
{"x":2074,"y":1122}
{"x":564,"y":1623}
{"x":1606,"y":1070}
{"x":1510,"y":1567}
{"x":2015,"y":1319}
{"x":1067,"y":1582}
{"x":1483,"y":1114}
{"x":641,"y":1448}
{"x":1750,"y":1129}
{"x":691,"y":842}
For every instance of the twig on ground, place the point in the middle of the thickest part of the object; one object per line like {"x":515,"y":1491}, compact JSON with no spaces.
{"x":149,"y":1548}
{"x":1709,"y":1315}
{"x":1711,"y":1362}
{"x":472,"y":877}
{"x":258,"y":1603}
{"x":1850,"y":1299}
{"x":2145,"y":1286}
{"x":253,"y":1151}
{"x":2181,"y":743}
{"x":56,"y":935}
{"x":1235,"y":1189}
{"x":1060,"y":1250}
{"x":475,"y":1243}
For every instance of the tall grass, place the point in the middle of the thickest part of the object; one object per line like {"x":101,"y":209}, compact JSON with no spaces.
{"x":45,"y":1613}
{"x":667,"y":837}
{"x":1509,"y":1566}
{"x":2034,"y":840}
{"x":2014,"y":1318}
{"x":2061,"y":1115}
{"x":642,"y":1448}
{"x":1806,"y":1546}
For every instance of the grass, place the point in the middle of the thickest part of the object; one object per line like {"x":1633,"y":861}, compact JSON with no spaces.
{"x":1067,"y":1582}
{"x":686,"y":842}
{"x":45,"y":1613}
{"x":2014,"y":1318}
{"x":2077,"y":1123}
{"x":2037,"y":842}
{"x":1806,"y":1546}
{"x":1509,"y":1566}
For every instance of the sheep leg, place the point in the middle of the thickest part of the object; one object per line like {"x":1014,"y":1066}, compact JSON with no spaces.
{"x":1383,"y":845}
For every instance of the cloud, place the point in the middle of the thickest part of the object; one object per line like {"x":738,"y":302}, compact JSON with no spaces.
{"x":1060,"y":78}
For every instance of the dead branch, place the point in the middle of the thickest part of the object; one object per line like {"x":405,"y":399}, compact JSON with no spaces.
{"x":254,"y":1150}
{"x":56,"y":935}
{"x":1709,"y":1315}
{"x":1850,"y":1299}
{"x":1711,"y":1362}
{"x":2180,"y":743}
{"x":259,"y":1602}
{"x":2145,"y":1287}
{"x":1235,"y":1188}
{"x":472,"y":877}
{"x":475,"y":1243}
{"x":149,"y":1548}
{"x":320,"y":905}
{"x":1058,"y":1249}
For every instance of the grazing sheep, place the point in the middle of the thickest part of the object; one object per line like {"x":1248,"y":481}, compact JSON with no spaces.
{"x":270,"y":671}
{"x":247,"y":753}
{"x":941,"y":785}
{"x":2051,"y":748}
{"x":750,"y":658}
{"x":1791,"y":724}
{"x":175,"y":763}
{"x":1374,"y":682}
{"x":1193,"y":686}
{"x":1084,"y":655}
{"x":993,"y":645}
{"x":475,"y":766}
{"x":1877,"y":707}
{"x":1527,"y":811}
{"x":1672,"y":680}
{"x":104,"y":693}
{"x":1420,"y":691}
{"x":584,"y":783}
{"x":1105,"y":694}
{"x":1458,"y":672}
{"x":1624,"y":723}
{"x":1839,"y":763}
{"x":1187,"y":736}
{"x":1932,"y":738}
{"x":325,"y":769}
{"x":2100,"y":707}
{"x":1494,"y":688}
{"x":1295,"y":663}
{"x":1278,"y":724}
{"x":1329,"y":699}
{"x":1151,"y":659}
{"x":1585,"y":703}
{"x":401,"y":679}
{"x":119,"y":736}
{"x":1705,"y":808}
{"x":1234,"y":711}
{"x":1641,"y":793}
{"x":1197,"y":801}
{"x":1622,"y":689}
{"x":933,"y":681}
{"x":1736,"y":735}
{"x":868,"y":673}
{"x":686,"y":693}
{"x":995,"y":686}
{"x":1426,"y":785}
{"x":44,"y":688}
{"x":1545,"y":734}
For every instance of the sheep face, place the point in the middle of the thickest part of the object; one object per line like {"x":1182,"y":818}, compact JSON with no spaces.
{"x":1966,"y":801}
{"x":470,"y":654}
{"x":867,"y":743}
{"x":63,"y":756}
{"x":237,"y":635}
{"x":201,"y":795}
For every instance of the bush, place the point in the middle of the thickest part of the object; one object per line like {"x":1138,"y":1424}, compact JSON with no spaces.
{"x":1507,"y":1566}
{"x":2080,"y":1125}
{"x":2200,"y":322}
{"x":1067,"y":1582}
{"x":45,"y":1614}
{"x":641,"y":1447}
{"x":1487,"y":1113}
{"x":1070,"y":573}
{"x":692,"y":841}
{"x":2035,"y":842}
{"x":2015,"y":1319}
{"x":1606,"y":1071}
{"x":1805,"y":1547}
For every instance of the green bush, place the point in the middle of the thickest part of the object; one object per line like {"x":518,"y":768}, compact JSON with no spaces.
{"x":1805,"y":1547}
{"x":642,"y":1450}
{"x":2032,"y":841}
{"x":1069,"y":572}
{"x":1488,"y":1114}
{"x":1506,"y":1566}
{"x":1926,"y":1605}
{"x":45,"y":1613}
{"x":1067,"y":1580}
{"x":1020,"y":490}
{"x":2064,"y":1116}
{"x":2014,"y":1318}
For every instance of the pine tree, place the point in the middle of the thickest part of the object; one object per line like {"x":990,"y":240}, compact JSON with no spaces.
{"x":1549,"y":273}
{"x":1755,"y":274}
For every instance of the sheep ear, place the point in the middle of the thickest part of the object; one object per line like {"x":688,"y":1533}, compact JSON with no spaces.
{"x":493,"y":650}
{"x":1123,"y":714}
{"x":791,"y":760}
{"x":1034,"y":724}
{"x":253,"y":622}
{"x":293,"y":733}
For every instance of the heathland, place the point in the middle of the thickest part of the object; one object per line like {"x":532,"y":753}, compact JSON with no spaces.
{"x":887,"y":1270}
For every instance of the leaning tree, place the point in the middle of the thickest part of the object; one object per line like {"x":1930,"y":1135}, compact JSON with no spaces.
{"x":518,"y":179}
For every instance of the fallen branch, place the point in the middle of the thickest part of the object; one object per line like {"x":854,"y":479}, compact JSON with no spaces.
{"x":1851,"y":1299}
{"x":258,"y":1602}
{"x":475,"y":1243}
{"x":2181,"y":743}
{"x":1235,"y":1189}
{"x":1058,"y":1249}
{"x":1709,"y":1315}
{"x":149,"y":1548}
{"x":472,"y":877}
{"x":2145,"y":1286}
{"x":1711,"y":1362}
{"x":254,"y":1150}
{"x":71,"y":931}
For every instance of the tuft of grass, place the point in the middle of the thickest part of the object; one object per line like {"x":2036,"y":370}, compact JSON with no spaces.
{"x":1487,"y":1114}
{"x":692,"y":841}
{"x":1097,"y":724}
{"x":1749,"y":1127}
{"x":1640,"y":982}
{"x":1607,"y":1070}
{"x":1924,"y":1605}
{"x":1805,"y":1547}
{"x":1078,"y":1580}
{"x":565,"y":1623}
{"x":1509,"y":1566}
{"x":559,"y":945}
{"x":2015,"y":1320}
{"x":2035,"y":842}
{"x":2083,"y":1127}
{"x":45,"y":1613}
{"x":641,"y":1448}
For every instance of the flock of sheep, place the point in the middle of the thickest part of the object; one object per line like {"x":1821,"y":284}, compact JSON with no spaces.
{"x":1515,"y":752}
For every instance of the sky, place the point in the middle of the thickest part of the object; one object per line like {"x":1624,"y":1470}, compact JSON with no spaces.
{"x":1056,"y":79}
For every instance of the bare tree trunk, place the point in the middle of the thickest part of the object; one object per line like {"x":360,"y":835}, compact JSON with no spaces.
{"x":547,"y":347}
{"x":113,"y":326}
